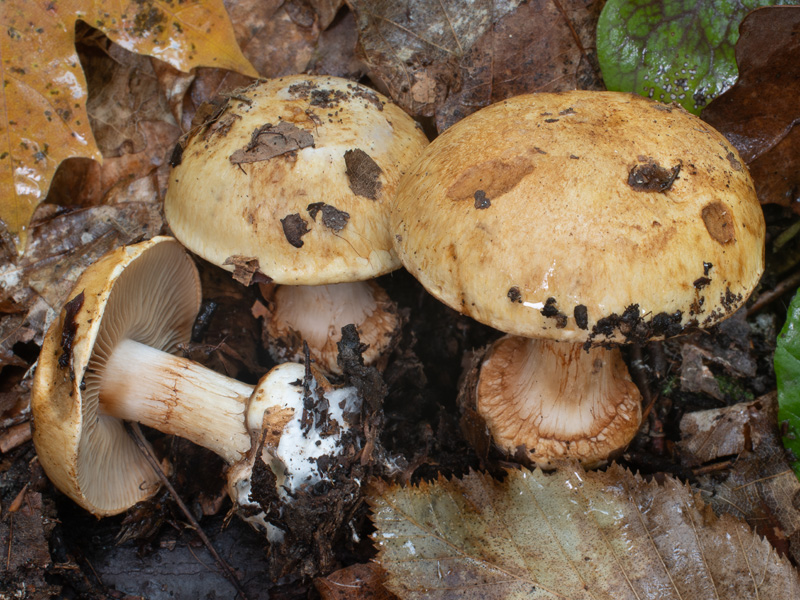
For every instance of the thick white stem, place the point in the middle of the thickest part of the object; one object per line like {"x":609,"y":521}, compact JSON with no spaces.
{"x":319,"y":312}
{"x":176,"y":396}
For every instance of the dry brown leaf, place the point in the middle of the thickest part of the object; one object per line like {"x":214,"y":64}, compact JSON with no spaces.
{"x":711,"y":435}
{"x":568,"y":535}
{"x":760,"y":114}
{"x":448,"y":59}
{"x":356,"y":582}
{"x":123,"y":95}
{"x":336,"y":50}
{"x":278,"y":37}
{"x":325,"y":9}
{"x":44,"y":93}
{"x":62,"y":244}
{"x":134,"y":127}
{"x":26,"y":559}
{"x":760,"y":486}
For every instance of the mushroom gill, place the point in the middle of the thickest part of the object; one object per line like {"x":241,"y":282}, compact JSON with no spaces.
{"x":557,"y":400}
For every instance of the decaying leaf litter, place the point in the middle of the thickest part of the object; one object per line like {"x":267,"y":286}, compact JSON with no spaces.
{"x":137,"y":108}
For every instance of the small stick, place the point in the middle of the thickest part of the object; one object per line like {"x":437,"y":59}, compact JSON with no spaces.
{"x":787,"y":285}
{"x":720,"y":466}
{"x":138,"y":437}
{"x":10,"y":540}
{"x":15,"y":436}
{"x":16,"y":504}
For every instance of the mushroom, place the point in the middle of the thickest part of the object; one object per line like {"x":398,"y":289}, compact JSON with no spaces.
{"x":110,"y":357}
{"x":289,"y":182}
{"x":576,"y":222}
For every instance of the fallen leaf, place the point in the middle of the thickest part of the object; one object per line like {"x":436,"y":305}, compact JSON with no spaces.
{"x":133,"y":125}
{"x":695,"y":375}
{"x":62,"y":244}
{"x":760,"y":114}
{"x":270,"y":140}
{"x":787,"y":373}
{"x":722,"y":365}
{"x":572,"y":535}
{"x":246,"y":269}
{"x":448,"y":59}
{"x":269,"y":37}
{"x":325,"y":10}
{"x":14,"y":330}
{"x":672,"y":50}
{"x":711,"y":435}
{"x":759,"y":485}
{"x":25,"y":534}
{"x":44,"y":95}
{"x":356,"y":582}
{"x":336,"y":50}
{"x":543,"y":46}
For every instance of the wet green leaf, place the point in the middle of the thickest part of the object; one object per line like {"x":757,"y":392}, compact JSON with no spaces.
{"x":787,"y":372}
{"x":672,"y":50}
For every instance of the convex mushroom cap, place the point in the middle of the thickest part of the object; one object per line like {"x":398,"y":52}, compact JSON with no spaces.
{"x":291,"y":180}
{"x":586,"y":217}
{"x":110,"y":358}
{"x":295,"y":173}
{"x":582,"y":216}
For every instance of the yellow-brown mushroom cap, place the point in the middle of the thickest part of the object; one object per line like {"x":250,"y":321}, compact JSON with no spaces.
{"x":148,"y":292}
{"x":296,"y":173}
{"x":584,"y":217}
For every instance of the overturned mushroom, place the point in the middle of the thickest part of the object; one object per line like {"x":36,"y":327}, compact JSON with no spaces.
{"x":290,"y":183}
{"x":110,"y":357}
{"x":577,"y":221}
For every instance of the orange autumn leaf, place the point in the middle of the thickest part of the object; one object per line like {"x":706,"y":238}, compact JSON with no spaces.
{"x":43,"y":101}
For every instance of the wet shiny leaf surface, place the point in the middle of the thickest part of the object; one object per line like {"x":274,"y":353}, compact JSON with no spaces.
{"x":448,"y":59}
{"x":760,"y":114}
{"x":672,"y":50}
{"x":570,"y":534}
{"x":44,"y":93}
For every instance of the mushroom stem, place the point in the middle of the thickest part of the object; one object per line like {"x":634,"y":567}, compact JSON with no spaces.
{"x":320,"y":311}
{"x":317,"y":313}
{"x":176,"y":396}
{"x":558,"y":400}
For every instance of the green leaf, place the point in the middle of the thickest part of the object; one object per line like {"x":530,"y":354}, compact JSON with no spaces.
{"x":672,"y":50}
{"x":787,"y":372}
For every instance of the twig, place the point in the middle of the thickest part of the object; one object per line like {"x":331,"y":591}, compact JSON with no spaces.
{"x":787,"y":285}
{"x":10,"y":540}
{"x":15,"y":436}
{"x":139,"y":438}
{"x":760,"y":479}
{"x":16,"y":504}
{"x":11,"y":421}
{"x":712,"y":468}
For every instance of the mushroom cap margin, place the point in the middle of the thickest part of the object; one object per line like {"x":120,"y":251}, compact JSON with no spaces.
{"x":521,"y":216}
{"x":58,"y":404}
{"x":221,"y":210}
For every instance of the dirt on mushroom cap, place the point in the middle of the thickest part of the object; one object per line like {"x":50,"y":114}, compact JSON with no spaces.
{"x":569,"y":242}
{"x":248,"y":179}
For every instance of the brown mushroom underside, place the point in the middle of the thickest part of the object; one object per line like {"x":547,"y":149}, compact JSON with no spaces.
{"x":557,"y":400}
